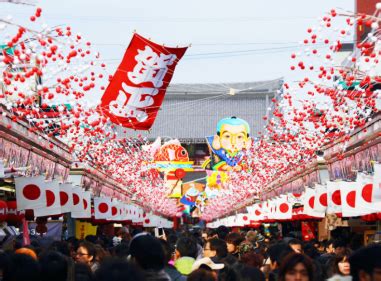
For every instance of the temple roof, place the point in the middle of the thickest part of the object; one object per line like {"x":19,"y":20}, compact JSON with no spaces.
{"x":190,"y":112}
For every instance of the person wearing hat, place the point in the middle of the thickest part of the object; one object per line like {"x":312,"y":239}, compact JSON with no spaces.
{"x":365,"y":264}
{"x":201,"y":263}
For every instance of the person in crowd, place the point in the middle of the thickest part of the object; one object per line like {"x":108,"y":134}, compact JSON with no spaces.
{"x":248,"y":273}
{"x":311,"y":250}
{"x":54,"y":266}
{"x":172,"y":240}
{"x":252,"y":259}
{"x":82,"y":272}
{"x":136,"y":231}
{"x":22,"y":267}
{"x":27,"y":251}
{"x":222,"y":232}
{"x":5,"y":263}
{"x":327,"y":257}
{"x":115,"y":269}
{"x":36,"y":245}
{"x":73,"y":244}
{"x":185,"y":254}
{"x":216,"y":249}
{"x":339,"y":247}
{"x":146,"y":251}
{"x":243,"y":248}
{"x":296,"y":267}
{"x":315,"y":243}
{"x":91,"y":238}
{"x":276,"y":252}
{"x":202,"y":275}
{"x":173,"y":273}
{"x":121,"y":250}
{"x":340,"y":265}
{"x":328,"y":247}
{"x":365,"y":263}
{"x":101,"y":253}
{"x":233,"y":240}
{"x":86,"y":254}
{"x":356,"y":242}
{"x":61,"y":247}
{"x":254,"y":237}
{"x":296,"y":245}
{"x":209,"y":234}
{"x":121,"y":235}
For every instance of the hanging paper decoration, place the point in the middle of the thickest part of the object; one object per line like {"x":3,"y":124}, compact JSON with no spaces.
{"x":81,"y":203}
{"x":102,"y":208}
{"x":66,"y":197}
{"x":136,"y":91}
{"x":30,"y":192}
{"x":334,"y":197}
{"x":369,"y":196}
{"x":53,"y":204}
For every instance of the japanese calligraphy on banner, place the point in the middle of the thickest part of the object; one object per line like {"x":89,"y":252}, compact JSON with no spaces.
{"x":137,"y":89}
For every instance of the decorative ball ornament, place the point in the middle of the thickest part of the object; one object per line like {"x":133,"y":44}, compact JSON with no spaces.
{"x":180,"y":173}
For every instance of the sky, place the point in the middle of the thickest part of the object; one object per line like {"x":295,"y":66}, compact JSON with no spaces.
{"x":231,"y":41}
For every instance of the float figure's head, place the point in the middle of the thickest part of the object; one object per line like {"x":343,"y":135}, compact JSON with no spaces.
{"x":233,"y":135}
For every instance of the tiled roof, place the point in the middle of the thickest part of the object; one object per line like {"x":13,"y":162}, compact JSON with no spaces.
{"x":190,"y":112}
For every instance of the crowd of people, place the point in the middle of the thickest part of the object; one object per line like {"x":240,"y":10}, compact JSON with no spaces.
{"x":210,"y":255}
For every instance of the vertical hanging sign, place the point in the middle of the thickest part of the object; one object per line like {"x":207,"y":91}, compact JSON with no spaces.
{"x":137,"y":89}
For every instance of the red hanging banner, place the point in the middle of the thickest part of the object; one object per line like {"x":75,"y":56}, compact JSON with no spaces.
{"x":137,"y":89}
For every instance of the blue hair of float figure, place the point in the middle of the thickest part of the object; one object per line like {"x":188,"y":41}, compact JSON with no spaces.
{"x":234,"y":121}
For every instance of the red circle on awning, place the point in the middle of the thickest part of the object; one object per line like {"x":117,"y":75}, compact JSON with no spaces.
{"x":311,"y":202}
{"x":31,"y":192}
{"x":351,"y":198}
{"x":366,"y":192}
{"x":75,"y":199}
{"x":323,"y":199}
{"x":103,"y":207}
{"x":85,"y":204}
{"x":336,"y":197}
{"x":63,"y":198}
{"x":50,"y":198}
{"x":114,"y":211}
{"x":284,"y":208}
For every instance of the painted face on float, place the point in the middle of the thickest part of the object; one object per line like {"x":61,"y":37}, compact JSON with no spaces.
{"x":232,"y":135}
{"x":233,"y":138}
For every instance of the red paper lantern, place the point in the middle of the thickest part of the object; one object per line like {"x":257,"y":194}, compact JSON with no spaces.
{"x":3,"y":211}
{"x":13,"y":215}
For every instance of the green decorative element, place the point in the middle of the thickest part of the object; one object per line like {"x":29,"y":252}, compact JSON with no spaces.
{"x":346,"y":87}
{"x":67,"y":105}
{"x":8,"y":50}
